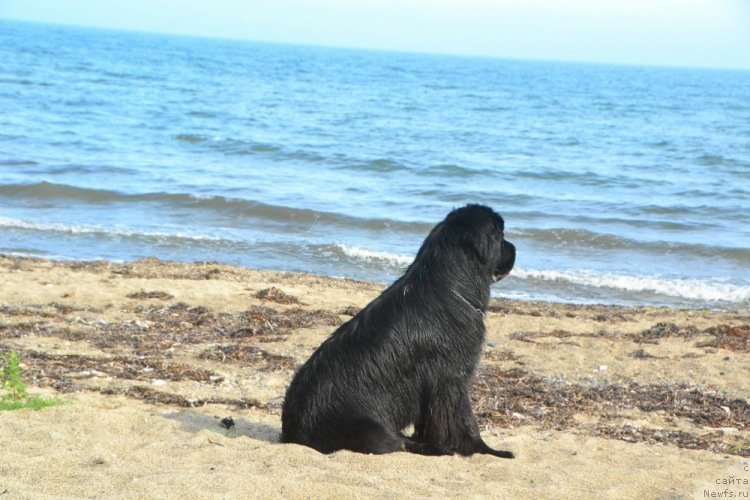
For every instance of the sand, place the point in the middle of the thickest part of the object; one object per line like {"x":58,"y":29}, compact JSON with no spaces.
{"x":149,"y":357}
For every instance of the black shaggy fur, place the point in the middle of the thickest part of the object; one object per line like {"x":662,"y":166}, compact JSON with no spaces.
{"x":408,"y":357}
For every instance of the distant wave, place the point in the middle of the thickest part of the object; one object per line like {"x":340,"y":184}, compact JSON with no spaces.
{"x":222,"y":204}
{"x":11,"y":223}
{"x":246,"y":147}
{"x":241,"y":147}
{"x":9,"y":162}
{"x":453,"y":170}
{"x":51,"y":190}
{"x":585,"y":178}
{"x":228,"y":145}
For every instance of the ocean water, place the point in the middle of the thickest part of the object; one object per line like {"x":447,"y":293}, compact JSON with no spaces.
{"x":624,"y":185}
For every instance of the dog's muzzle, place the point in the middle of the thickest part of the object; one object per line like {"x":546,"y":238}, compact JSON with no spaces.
{"x":506,"y":261}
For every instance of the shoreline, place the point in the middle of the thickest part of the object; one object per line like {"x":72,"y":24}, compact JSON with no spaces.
{"x":622,"y":401}
{"x":720,"y":306}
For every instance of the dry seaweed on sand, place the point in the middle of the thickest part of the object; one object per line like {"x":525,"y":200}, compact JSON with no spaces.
{"x":350,"y":311}
{"x":556,"y":333}
{"x":714,"y":441}
{"x":48,"y":310}
{"x":17,"y":330}
{"x":500,"y":393}
{"x":502,"y":397}
{"x":63,"y":369}
{"x":159,"y":329}
{"x":65,"y":373}
{"x":661,"y":330}
{"x":277,"y":295}
{"x":266,"y":323}
{"x":248,"y":355}
{"x":730,"y":337}
{"x":152,"y":268}
{"x":150,"y":295}
{"x":643,"y":354}
{"x":154,"y":396}
{"x":513,"y":397}
{"x":601,"y":313}
{"x":501,"y":355}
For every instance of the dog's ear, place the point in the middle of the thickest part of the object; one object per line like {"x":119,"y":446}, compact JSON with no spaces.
{"x":483,"y":239}
{"x":486,"y":247}
{"x":474,"y":245}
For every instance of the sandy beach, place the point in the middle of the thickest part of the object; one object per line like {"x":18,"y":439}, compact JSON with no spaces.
{"x":152,"y":358}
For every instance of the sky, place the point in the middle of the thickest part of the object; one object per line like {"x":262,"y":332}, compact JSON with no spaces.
{"x":692,"y":33}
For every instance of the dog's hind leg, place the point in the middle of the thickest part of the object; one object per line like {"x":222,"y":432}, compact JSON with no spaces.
{"x":364,"y":435}
{"x":414,"y":446}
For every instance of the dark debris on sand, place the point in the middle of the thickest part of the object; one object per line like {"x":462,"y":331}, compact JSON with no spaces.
{"x":265,"y":323}
{"x":733,"y":338}
{"x":277,"y":295}
{"x":711,"y":441}
{"x":153,"y":396}
{"x":249,"y":355}
{"x":151,"y":268}
{"x":143,"y":348}
{"x":653,"y":334}
{"x":501,"y":355}
{"x":154,"y":335}
{"x":599,"y":313}
{"x":49,"y":310}
{"x":642,"y":354}
{"x":350,"y":311}
{"x":62,"y":371}
{"x":150,"y":295}
{"x":159,"y":330}
{"x":557,"y":333}
{"x":515,"y":397}
{"x":723,"y":336}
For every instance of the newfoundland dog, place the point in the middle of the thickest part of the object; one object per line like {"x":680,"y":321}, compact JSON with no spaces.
{"x":408,"y":357}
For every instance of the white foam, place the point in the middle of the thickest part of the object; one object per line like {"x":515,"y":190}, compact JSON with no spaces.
{"x":9,"y":222}
{"x":692,"y":289}
{"x":375,"y":255}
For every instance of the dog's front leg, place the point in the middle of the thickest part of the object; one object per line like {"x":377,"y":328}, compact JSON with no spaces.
{"x":447,"y":420}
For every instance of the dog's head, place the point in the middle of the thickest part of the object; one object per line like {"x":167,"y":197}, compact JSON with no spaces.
{"x":474,"y":234}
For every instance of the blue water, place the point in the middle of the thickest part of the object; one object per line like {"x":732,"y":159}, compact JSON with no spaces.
{"x":618,"y":184}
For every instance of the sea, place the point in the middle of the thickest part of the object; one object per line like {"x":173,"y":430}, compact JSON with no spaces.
{"x":618,"y":184}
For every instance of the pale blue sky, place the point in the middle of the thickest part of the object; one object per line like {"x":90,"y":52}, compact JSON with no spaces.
{"x":702,"y":33}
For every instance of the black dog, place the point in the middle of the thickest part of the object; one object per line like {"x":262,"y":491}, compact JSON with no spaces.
{"x":408,"y":357}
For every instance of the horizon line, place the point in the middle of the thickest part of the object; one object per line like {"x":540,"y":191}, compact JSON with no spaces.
{"x":373,"y":49}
